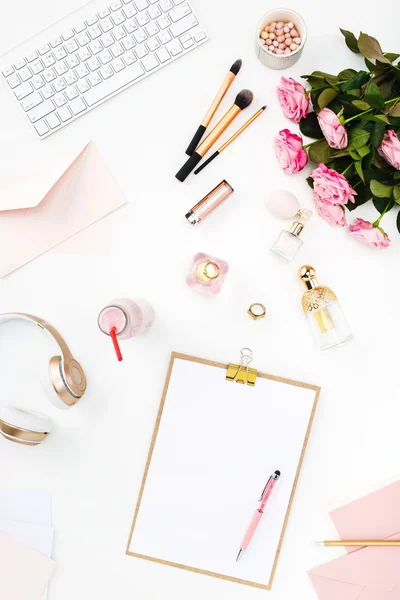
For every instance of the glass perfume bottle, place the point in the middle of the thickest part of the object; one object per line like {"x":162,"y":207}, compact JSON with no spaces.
{"x":325,"y":316}
{"x":289,"y":243}
{"x":207,"y":274}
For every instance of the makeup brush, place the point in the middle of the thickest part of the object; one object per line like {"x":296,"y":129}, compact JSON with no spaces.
{"x":226,"y":84}
{"x":231,"y":139}
{"x":242,"y":100}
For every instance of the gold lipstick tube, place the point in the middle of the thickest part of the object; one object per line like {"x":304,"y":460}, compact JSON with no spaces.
{"x":209,"y":202}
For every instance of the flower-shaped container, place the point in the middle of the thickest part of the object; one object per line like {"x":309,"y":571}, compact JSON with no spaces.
{"x":280,"y":61}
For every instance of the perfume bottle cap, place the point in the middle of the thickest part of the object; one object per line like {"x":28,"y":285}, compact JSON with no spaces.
{"x":301,"y":219}
{"x":306,"y":273}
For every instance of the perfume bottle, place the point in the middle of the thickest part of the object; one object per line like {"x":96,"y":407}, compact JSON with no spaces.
{"x":326,"y":318}
{"x":289,"y":243}
{"x":207,"y":274}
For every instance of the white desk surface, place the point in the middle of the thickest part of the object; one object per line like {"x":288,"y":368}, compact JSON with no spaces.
{"x":93,"y":462}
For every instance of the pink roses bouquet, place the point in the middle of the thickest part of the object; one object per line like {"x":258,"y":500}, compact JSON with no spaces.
{"x":355,"y":123}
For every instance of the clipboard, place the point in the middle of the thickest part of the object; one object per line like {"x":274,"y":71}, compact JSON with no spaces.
{"x":213,"y":447}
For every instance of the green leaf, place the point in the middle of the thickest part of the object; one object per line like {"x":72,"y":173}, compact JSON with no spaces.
{"x":373,"y":96}
{"x":398,"y":221}
{"x":363,"y":195}
{"x":351,"y":40}
{"x":355,"y":82}
{"x":357,"y":138}
{"x":309,"y":126}
{"x":320,"y":152}
{"x":380,"y":190}
{"x":370,"y":48}
{"x":361,"y":104}
{"x":396,"y":175}
{"x":395,"y":110}
{"x":381,"y":204}
{"x":396,"y":193}
{"x":391,"y":56}
{"x":340,"y":153}
{"x":359,"y":170}
{"x":310,"y":182}
{"x":315,"y":82}
{"x":386,"y":89}
{"x":326,"y":97}
{"x":354,"y":154}
{"x":370,"y":65}
{"x":375,"y":118}
{"x":347,"y":74}
{"x":377,"y":134}
{"x":363,"y":151}
{"x":356,"y":93}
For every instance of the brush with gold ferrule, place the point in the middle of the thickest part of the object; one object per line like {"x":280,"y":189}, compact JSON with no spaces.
{"x":231,"y":139}
{"x":242,"y":100}
{"x":226,"y":84}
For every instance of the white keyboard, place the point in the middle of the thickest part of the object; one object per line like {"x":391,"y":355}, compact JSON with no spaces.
{"x":96,"y":58}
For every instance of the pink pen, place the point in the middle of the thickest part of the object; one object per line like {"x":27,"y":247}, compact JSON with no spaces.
{"x":267,"y":491}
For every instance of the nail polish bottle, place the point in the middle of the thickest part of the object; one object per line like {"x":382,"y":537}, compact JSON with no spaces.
{"x":207,"y":274}
{"x":324,"y":314}
{"x":289,"y":243}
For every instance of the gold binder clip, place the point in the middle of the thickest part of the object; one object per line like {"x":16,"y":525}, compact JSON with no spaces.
{"x":242,"y":373}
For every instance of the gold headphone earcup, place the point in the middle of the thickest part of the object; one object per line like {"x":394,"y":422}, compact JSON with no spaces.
{"x":24,"y":427}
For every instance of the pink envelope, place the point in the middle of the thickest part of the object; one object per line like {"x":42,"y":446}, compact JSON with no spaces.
{"x":41,"y":211}
{"x":364,"y":573}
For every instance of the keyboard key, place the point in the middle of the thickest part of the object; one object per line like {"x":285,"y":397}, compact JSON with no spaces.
{"x":163,"y":55}
{"x":183,"y":25}
{"x":129,"y":10}
{"x":153,"y":44}
{"x":13,"y":80}
{"x":106,"y":24}
{"x":118,"y":18}
{"x":82,"y":70}
{"x":23,"y":90}
{"x":188,"y":43}
{"x":107,"y":40}
{"x":106,"y":71}
{"x":154,"y":12}
{"x":20,"y":63}
{"x":61,"y":68}
{"x":49,"y":75}
{"x":95,"y":32}
{"x":117,"y":50}
{"x":37,"y":67}
{"x":140,"y":36}
{"x":164,"y":37}
{"x":41,"y":128}
{"x":141,"y":51}
{"x":118,"y":81}
{"x":60,"y":52}
{"x":56,"y":42}
{"x":95,"y":47}
{"x":59,"y":84}
{"x":53,"y":121}
{"x":130,"y":26}
{"x":92,"y":20}
{"x":40,"y":111}
{"x":25,"y":73}
{"x":151,"y":29}
{"x":129,"y":57}
{"x":104,"y":13}
{"x":116,"y":5}
{"x":83,"y":38}
{"x":93,"y":63}
{"x":83,"y":86}
{"x":72,"y":92}
{"x":128,"y":43}
{"x":72,"y":61}
{"x":64,"y":113}
{"x":177,"y":49}
{"x":71,"y":46}
{"x":44,"y":49}
{"x":47,"y":92}
{"x":70,"y":78}
{"x":166,"y":5}
{"x":141,"y":4}
{"x":118,"y":64}
{"x":179,"y":12}
{"x":105,"y":56}
{"x":60,"y":99}
{"x":95,"y":78}
{"x":200,"y":36}
{"x":84,"y":53}
{"x":119,"y":33}
{"x":8,"y":70}
{"x":150,"y":62}
{"x":80,"y":27}
{"x":48,"y":60}
{"x":163,"y":22}
{"x":31,"y":101}
{"x":77,"y":106}
{"x":142,"y":19}
{"x":38,"y":82}
{"x":68,"y":34}
{"x":32,"y":56}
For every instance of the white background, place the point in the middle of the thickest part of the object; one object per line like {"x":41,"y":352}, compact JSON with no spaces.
{"x":93,"y":462}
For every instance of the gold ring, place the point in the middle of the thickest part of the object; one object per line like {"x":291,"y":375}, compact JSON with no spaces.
{"x":216,"y":270}
{"x":257,"y":311}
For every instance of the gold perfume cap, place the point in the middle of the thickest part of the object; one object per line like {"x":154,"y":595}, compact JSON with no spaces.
{"x":317,"y":296}
{"x":301,"y":218}
{"x":308,"y":277}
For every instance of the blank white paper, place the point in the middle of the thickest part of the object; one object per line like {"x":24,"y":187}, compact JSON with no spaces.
{"x":27,"y":506}
{"x":217,"y":444}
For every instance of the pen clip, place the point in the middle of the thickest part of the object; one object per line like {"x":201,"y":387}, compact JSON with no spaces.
{"x":265,"y":488}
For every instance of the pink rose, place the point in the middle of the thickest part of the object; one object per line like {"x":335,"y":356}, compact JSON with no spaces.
{"x":331,"y":187}
{"x":331,"y":213}
{"x":367,"y":233}
{"x":289,"y":151}
{"x":334,"y":132}
{"x":293,"y":100}
{"x":390,"y":149}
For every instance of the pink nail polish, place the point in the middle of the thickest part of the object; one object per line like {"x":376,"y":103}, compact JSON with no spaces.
{"x":207,"y":274}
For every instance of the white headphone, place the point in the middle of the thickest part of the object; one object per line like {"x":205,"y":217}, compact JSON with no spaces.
{"x":64,"y":385}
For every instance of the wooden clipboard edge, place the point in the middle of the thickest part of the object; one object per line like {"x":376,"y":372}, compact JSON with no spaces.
{"x":211,"y":363}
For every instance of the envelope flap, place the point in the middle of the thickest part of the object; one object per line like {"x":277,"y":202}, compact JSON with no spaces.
{"x":28,"y":191}
{"x":329,"y":589}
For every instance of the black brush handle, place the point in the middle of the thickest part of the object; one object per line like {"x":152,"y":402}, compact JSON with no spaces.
{"x":196,"y":140}
{"x":188,"y":167}
{"x":201,"y":167}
